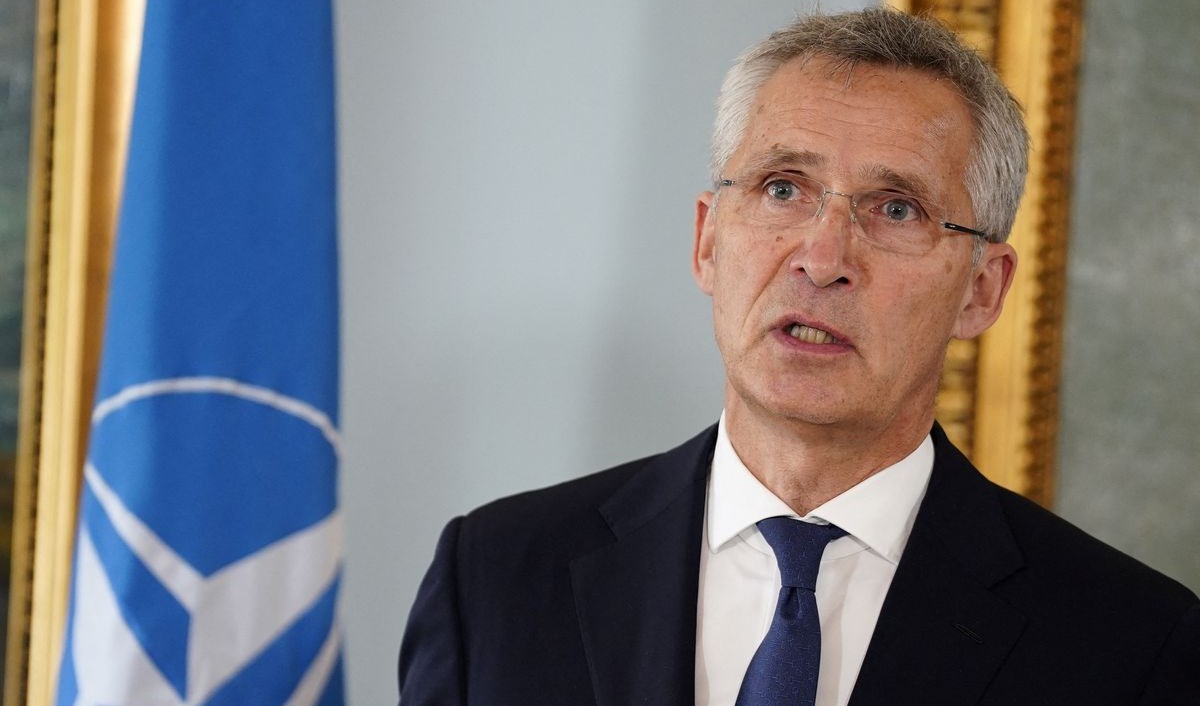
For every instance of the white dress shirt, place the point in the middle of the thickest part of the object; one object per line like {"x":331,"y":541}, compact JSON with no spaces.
{"x":739,"y":578}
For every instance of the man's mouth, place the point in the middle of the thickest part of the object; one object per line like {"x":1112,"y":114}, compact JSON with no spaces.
{"x":808,"y":334}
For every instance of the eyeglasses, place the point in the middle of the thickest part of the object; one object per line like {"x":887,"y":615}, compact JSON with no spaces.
{"x":888,"y":219}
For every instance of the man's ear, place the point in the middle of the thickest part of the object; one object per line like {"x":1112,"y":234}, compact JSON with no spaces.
{"x":704,"y":248}
{"x":984,"y":299}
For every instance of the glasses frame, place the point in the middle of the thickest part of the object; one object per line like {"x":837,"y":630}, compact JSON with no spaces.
{"x":826,"y":191}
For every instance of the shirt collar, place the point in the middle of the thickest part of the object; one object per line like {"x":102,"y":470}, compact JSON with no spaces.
{"x":878,"y":512}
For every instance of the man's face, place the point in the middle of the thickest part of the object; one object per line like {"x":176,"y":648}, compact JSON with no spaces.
{"x":888,"y":315}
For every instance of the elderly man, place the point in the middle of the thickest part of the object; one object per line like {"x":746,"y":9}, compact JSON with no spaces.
{"x":824,"y":543}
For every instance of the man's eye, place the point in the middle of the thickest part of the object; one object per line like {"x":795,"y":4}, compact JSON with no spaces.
{"x":896,"y":208}
{"x":781,"y":190}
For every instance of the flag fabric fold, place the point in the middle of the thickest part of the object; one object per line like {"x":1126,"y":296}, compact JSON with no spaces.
{"x":209,"y":548}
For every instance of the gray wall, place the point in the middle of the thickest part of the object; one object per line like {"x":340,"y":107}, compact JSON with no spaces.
{"x":1130,"y":439}
{"x":517,"y":185}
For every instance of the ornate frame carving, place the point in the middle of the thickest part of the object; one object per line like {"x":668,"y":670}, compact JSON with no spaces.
{"x":86,"y":60}
{"x":999,"y":396}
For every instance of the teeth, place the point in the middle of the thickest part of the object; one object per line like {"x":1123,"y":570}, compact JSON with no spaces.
{"x":809,"y":335}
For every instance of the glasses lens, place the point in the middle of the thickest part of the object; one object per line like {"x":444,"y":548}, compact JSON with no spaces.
{"x":779,"y":199}
{"x":896,"y":221}
{"x":888,"y":219}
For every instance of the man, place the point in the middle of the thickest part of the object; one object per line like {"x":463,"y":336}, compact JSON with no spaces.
{"x":867,"y":170}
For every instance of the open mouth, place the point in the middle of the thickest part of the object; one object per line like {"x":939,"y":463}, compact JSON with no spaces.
{"x":808,"y":334}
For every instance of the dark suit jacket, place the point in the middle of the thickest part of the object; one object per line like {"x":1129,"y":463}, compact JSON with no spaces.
{"x":585,"y":593}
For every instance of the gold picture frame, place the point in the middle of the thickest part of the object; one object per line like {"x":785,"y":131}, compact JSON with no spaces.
{"x":85,"y":64}
{"x":999,"y":395}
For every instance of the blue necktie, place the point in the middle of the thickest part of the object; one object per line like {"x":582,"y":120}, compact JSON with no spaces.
{"x":784,"y":669}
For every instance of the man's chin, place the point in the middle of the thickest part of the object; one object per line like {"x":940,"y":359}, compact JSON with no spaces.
{"x":808,"y":406}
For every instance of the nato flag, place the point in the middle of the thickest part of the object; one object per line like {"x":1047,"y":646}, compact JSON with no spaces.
{"x":209,"y":548}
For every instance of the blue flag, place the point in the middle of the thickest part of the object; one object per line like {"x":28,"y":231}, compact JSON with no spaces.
{"x":210,"y":542}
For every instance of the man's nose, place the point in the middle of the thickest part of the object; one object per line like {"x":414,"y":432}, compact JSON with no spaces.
{"x":823,"y":252}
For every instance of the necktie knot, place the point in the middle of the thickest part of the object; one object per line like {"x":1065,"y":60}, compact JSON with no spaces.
{"x":798,"y":547}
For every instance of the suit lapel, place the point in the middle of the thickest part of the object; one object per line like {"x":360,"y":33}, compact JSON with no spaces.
{"x":942,"y":633}
{"x":636,"y":597}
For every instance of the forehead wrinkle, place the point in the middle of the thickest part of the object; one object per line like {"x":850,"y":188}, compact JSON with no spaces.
{"x":942,"y":127}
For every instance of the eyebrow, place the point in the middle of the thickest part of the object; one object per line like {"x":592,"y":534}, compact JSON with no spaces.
{"x":907,"y":183}
{"x":781,"y":158}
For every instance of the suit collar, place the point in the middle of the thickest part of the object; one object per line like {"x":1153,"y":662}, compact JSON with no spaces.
{"x":966,"y":516}
{"x":664,"y":481}
{"x":943,"y":633}
{"x":636,"y":597}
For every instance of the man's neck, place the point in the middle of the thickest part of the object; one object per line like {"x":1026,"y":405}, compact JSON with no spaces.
{"x":807,"y":464}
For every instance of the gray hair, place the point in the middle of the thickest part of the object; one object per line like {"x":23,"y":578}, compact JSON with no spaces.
{"x":996,"y":169}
